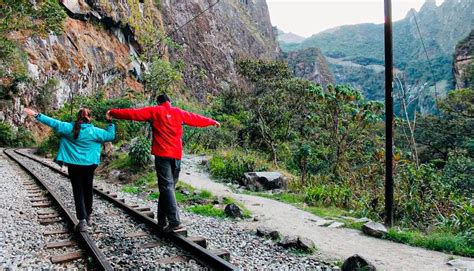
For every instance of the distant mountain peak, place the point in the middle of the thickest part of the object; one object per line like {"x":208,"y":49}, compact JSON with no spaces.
{"x":289,"y":37}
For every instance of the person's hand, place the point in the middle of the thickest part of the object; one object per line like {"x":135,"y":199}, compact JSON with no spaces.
{"x":217,"y":124}
{"x":108,"y":116}
{"x":30,"y":112}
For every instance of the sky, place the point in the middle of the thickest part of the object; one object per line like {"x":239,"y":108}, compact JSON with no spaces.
{"x":308,"y":17}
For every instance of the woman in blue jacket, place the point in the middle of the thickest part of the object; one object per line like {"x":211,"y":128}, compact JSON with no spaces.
{"x":79,"y":149}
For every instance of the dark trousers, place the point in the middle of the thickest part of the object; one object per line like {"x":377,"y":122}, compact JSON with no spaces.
{"x":81,"y":180}
{"x":167,"y":171}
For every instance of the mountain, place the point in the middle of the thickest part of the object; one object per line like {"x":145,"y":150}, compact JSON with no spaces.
{"x":356,"y":52}
{"x":283,"y":37}
{"x":66,"y":47}
{"x":464,"y":62}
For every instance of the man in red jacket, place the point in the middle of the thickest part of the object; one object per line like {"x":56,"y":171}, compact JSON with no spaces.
{"x":166,"y":122}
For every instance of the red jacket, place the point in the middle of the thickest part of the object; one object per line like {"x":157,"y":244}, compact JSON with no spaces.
{"x":166,"y":122}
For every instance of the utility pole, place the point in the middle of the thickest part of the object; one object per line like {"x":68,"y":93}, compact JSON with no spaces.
{"x":388,"y":115}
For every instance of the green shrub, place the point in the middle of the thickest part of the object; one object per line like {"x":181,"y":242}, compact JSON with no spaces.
{"x":6,"y":135}
{"x":140,"y":152}
{"x":329,"y":195}
{"x":54,"y":15}
{"x":233,"y":164}
{"x":49,"y":146}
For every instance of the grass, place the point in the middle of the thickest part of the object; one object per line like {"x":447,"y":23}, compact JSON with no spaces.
{"x":206,"y":210}
{"x":122,"y":161}
{"x":147,"y":182}
{"x":440,"y":241}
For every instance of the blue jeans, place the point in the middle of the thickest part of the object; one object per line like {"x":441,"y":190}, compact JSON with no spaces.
{"x":167,"y":171}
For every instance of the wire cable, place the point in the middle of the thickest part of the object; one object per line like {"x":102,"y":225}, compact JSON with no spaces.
{"x":427,"y":57}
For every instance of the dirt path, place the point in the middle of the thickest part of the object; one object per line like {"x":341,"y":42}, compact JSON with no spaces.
{"x":333,"y":243}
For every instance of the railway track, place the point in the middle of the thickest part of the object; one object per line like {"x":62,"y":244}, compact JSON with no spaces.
{"x":125,"y":236}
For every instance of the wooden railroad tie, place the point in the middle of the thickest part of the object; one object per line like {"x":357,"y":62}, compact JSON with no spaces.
{"x":201,"y":241}
{"x":54,"y":232}
{"x":222,"y":253}
{"x":48,"y":216}
{"x":142,"y":209}
{"x":67,"y":257}
{"x":172,"y":259}
{"x":46,"y":212}
{"x":65,"y":243}
{"x":42,"y":204}
{"x":35,"y":195}
{"x":150,"y":214}
{"x":150,"y":245}
{"x":135,"y":234}
{"x":134,"y":206}
{"x":183,"y":232}
{"x":49,"y":221}
{"x":39,"y":199}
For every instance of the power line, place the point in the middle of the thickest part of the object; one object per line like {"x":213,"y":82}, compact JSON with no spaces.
{"x":427,"y":57}
{"x":190,"y":20}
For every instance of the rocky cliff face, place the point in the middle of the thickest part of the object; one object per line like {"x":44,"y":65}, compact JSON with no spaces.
{"x":310,"y":64}
{"x":464,"y":63}
{"x":212,"y":43}
{"x":106,"y":45}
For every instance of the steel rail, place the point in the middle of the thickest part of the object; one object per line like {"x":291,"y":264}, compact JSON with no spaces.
{"x":84,"y":237}
{"x":200,"y":254}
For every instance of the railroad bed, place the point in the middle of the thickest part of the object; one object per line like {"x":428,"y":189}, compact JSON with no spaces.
{"x":128,"y":241}
{"x":121,"y":237}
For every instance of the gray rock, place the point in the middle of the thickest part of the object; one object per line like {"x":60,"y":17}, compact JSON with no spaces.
{"x":324,"y":223}
{"x":374,"y":229}
{"x":114,"y":174}
{"x":355,"y":263}
{"x":362,"y":220}
{"x":462,"y":264}
{"x":259,"y":181}
{"x":306,"y":243}
{"x":233,"y":210}
{"x":268,"y":232}
{"x":289,"y":241}
{"x":336,"y":225}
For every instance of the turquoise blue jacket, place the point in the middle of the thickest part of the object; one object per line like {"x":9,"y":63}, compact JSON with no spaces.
{"x":85,"y":150}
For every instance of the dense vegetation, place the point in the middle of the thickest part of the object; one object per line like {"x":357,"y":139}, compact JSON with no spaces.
{"x":331,"y":141}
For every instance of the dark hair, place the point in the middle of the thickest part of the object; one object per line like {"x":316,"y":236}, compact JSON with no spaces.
{"x":83,"y":116}
{"x":163,"y":98}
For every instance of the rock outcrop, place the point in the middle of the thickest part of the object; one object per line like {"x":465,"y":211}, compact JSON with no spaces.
{"x":464,"y":63}
{"x":107,"y":45}
{"x":212,"y":43}
{"x":310,"y":64}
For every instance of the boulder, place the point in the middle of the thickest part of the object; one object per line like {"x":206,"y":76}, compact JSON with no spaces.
{"x":374,"y":229}
{"x":114,"y":174}
{"x":355,"y":263}
{"x":232,"y":210}
{"x":268,"y":232}
{"x":289,"y":241}
{"x":306,"y":243}
{"x":461,"y":264}
{"x":259,"y":181}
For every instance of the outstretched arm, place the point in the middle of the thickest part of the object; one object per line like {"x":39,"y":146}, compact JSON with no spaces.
{"x":196,"y":120}
{"x":59,"y":126}
{"x":140,"y":114}
{"x":106,"y":135}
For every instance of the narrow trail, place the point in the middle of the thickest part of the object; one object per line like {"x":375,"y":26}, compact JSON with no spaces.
{"x":332,"y":243}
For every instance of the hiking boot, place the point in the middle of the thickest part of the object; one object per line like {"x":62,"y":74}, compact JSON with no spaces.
{"x":81,"y":226}
{"x":171,"y":228}
{"x":89,"y":220}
